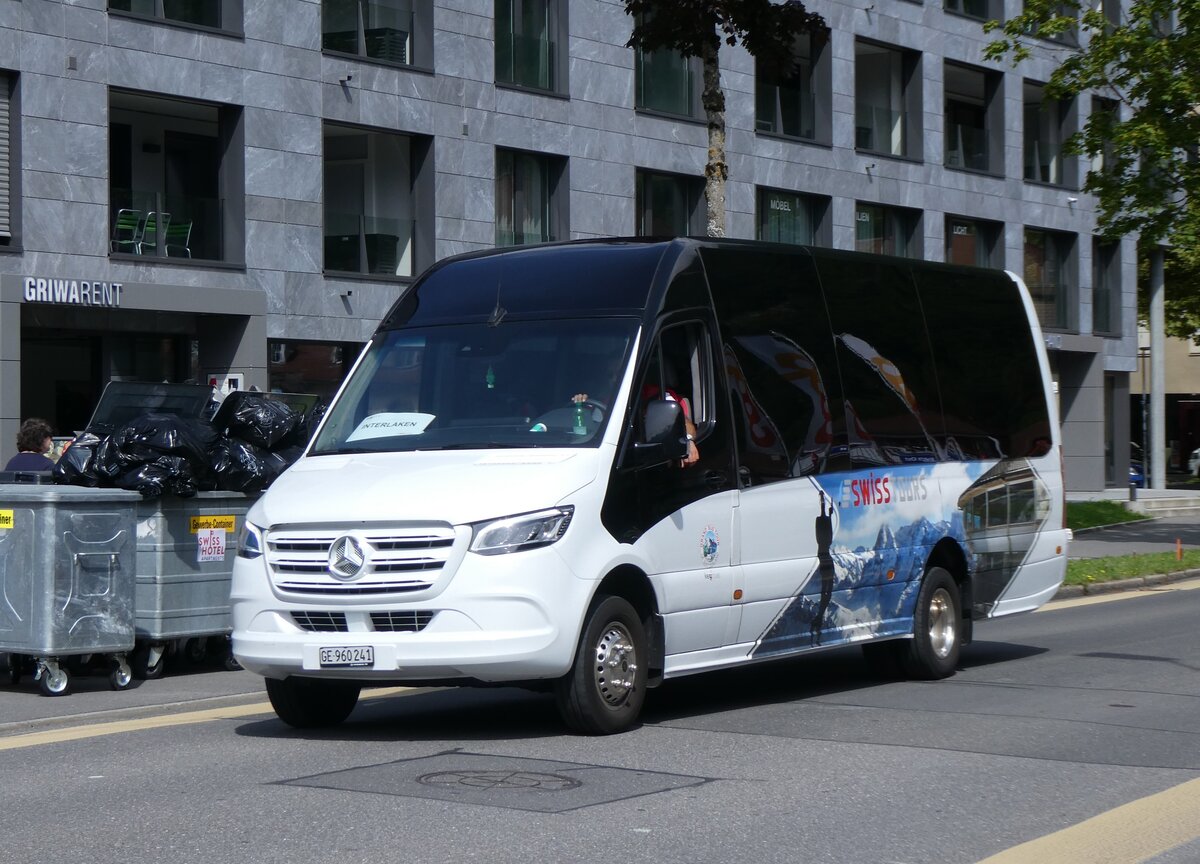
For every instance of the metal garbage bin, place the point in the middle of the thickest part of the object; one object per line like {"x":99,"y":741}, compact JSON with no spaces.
{"x":67,"y":558}
{"x":185,"y":553}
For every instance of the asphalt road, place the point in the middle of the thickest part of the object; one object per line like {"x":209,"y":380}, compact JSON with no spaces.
{"x":1151,"y":535}
{"x":1078,"y":712}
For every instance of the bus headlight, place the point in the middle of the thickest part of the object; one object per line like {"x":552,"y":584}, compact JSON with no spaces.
{"x":517,"y":533}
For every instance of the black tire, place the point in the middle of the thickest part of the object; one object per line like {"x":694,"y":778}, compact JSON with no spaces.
{"x":933,"y":651}
{"x":143,"y":669}
{"x":591,"y":698}
{"x":120,"y":677}
{"x":55,"y":685}
{"x":308,"y":703}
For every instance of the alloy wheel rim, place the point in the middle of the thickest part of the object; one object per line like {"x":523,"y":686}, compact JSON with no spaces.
{"x":941,"y":623}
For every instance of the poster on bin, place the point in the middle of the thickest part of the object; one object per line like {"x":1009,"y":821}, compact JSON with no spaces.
{"x":210,"y":544}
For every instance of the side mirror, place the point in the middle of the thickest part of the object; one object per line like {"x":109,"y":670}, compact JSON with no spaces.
{"x":666,"y":433}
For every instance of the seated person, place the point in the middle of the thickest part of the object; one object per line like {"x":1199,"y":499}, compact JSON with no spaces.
{"x":33,"y":443}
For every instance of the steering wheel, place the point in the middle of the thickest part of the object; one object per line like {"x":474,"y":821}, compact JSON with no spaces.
{"x":563,"y":419}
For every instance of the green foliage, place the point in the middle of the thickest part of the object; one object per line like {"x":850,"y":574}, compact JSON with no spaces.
{"x":695,"y":28}
{"x":1086,"y":571}
{"x":1149,"y":62}
{"x":1181,"y":278}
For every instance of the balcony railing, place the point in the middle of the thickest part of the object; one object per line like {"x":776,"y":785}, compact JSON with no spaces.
{"x":171,"y":226}
{"x":380,"y":31}
{"x":368,"y":245}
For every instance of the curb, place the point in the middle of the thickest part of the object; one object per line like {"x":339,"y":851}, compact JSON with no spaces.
{"x":1116,"y":585}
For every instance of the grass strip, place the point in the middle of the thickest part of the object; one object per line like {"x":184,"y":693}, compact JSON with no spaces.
{"x":1091,"y":514}
{"x":1086,"y":571}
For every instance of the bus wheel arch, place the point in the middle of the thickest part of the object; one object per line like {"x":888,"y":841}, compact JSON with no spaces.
{"x":606,"y":686}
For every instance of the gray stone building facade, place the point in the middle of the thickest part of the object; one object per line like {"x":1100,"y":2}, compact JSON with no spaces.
{"x":237,"y":190}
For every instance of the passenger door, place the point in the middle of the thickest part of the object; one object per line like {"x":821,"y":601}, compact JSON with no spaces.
{"x":680,"y":517}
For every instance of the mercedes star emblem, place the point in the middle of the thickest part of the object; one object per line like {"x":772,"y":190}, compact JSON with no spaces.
{"x":346,"y":558}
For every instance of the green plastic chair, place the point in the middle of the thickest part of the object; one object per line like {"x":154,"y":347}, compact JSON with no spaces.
{"x":178,"y":234}
{"x":156,"y":222}
{"x":127,"y":231}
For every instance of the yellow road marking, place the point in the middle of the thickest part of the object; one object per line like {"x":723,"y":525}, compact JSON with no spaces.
{"x":1129,"y":834}
{"x":1189,"y":585}
{"x":160,"y":721}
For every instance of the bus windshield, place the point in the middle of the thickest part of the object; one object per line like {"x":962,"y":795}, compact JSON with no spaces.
{"x":544,"y":383}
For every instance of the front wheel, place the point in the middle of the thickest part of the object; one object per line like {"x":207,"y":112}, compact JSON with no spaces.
{"x":308,"y":703}
{"x":606,"y":687}
{"x":937,"y":628}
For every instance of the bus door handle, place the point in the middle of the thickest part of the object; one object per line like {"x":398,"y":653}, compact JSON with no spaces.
{"x":715,"y":479}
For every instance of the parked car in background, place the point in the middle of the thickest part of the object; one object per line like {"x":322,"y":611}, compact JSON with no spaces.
{"x":1194,"y":463}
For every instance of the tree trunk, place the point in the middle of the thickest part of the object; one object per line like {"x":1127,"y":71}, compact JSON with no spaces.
{"x":715,"y":170}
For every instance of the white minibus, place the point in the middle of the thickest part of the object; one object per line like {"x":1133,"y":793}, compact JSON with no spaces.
{"x":597,"y":465}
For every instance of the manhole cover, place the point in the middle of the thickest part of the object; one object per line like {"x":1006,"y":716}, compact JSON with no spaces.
{"x":500,"y":780}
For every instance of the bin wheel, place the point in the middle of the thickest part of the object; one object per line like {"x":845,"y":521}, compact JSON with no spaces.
{"x":195,"y":650}
{"x":54,"y":680}
{"x":14,"y":669}
{"x":121,"y":675}
{"x":147,"y":661}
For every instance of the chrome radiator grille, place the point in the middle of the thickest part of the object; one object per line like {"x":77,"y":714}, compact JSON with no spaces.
{"x":396,"y":560}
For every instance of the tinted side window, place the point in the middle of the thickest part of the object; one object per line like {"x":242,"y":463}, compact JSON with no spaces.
{"x":779,"y":363}
{"x":991,"y":385}
{"x":893,"y":410}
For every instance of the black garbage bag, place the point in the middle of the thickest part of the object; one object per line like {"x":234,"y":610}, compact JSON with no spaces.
{"x":150,"y":479}
{"x":149,"y":436}
{"x":262,"y":422}
{"x":75,"y":464}
{"x":109,"y":462}
{"x":239,"y":466}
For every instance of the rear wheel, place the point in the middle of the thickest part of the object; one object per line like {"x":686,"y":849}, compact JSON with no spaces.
{"x":308,"y":703}
{"x":937,"y":628}
{"x":605,"y":689}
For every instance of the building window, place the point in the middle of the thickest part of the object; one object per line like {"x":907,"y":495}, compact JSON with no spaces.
{"x":789,"y":217}
{"x":974,"y":124}
{"x":1103,"y":161}
{"x":529,"y":39}
{"x":1069,"y":36}
{"x":669,"y":205}
{"x":370,"y":201}
{"x":176,"y":170}
{"x":1106,"y":286}
{"x":1047,"y":126}
{"x":980,"y":9}
{"x":217,"y":14}
{"x":1049,"y":275}
{"x":666,"y":82}
{"x":390,"y":31}
{"x":887,"y":230}
{"x":8,"y":141}
{"x":797,"y":106}
{"x":529,"y":206}
{"x":887,"y":106}
{"x":974,"y":242}
{"x":309,"y":367}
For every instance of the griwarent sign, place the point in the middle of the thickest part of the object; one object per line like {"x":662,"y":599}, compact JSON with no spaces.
{"x":73,"y":292}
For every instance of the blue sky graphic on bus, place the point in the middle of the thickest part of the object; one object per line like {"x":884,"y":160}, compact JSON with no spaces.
{"x":872,"y":545}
